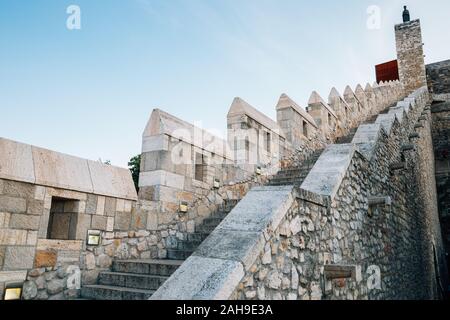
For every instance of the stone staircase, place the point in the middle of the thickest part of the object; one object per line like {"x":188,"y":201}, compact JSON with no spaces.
{"x":183,"y":249}
{"x":131,"y":280}
{"x":295,"y":175}
{"x":139,"y":279}
{"x":347,"y":138}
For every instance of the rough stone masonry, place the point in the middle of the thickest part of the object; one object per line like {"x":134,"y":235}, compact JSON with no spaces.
{"x":335,"y":201}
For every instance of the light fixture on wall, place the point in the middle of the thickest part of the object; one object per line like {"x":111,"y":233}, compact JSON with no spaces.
{"x":216,"y":183}
{"x":13,"y":292}
{"x":183,"y":207}
{"x":94,"y":238}
{"x":258,"y":170}
{"x":376,"y":204}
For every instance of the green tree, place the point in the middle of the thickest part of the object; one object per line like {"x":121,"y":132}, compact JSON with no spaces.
{"x":135,"y":167}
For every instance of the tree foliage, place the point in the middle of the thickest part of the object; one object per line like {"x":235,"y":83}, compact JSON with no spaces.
{"x":135,"y":167}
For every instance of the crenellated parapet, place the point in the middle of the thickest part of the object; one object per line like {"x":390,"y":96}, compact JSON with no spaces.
{"x":297,"y":124}
{"x":256,"y":139}
{"x":342,"y":110}
{"x":324,"y":116}
{"x":356,"y":107}
{"x":181,"y":163}
{"x":354,"y":197}
{"x":371,"y":99}
{"x":362,"y":98}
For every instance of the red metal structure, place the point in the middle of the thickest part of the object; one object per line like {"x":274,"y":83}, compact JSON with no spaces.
{"x":387,"y":71}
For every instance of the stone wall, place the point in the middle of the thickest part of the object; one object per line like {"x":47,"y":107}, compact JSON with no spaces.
{"x":256,"y":140}
{"x":324,"y":116}
{"x":438,"y":75}
{"x":298,"y":125}
{"x":362,"y":226}
{"x":171,"y":146}
{"x":55,"y":267}
{"x":410,"y":55}
{"x":441,"y":141}
{"x":48,"y":203}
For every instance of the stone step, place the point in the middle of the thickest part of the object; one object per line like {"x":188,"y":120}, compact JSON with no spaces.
{"x":296,"y":176}
{"x":150,"y":267}
{"x":131,"y":280}
{"x":220,"y":215}
{"x":212,"y":221}
{"x":228,"y":205}
{"x":174,"y":254}
{"x":197,"y":236}
{"x":102,"y":292}
{"x":278,"y":184}
{"x":289,"y":181}
{"x":295,"y":170}
{"x":188,"y":245}
{"x":205,"y":229}
{"x":293,"y":176}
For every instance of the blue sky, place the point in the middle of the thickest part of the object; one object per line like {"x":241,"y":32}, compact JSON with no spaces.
{"x":90,"y":92}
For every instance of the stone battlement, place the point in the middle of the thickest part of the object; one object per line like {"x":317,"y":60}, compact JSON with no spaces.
{"x":277,"y":236}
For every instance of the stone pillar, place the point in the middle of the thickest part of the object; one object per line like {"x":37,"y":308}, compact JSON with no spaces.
{"x":410,"y":55}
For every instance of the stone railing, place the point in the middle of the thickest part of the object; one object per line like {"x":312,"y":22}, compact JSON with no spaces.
{"x":335,"y":237}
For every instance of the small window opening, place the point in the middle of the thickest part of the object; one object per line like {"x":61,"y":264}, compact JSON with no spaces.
{"x":268,"y":142}
{"x":305,"y":129}
{"x":199,"y":166}
{"x":247,"y":150}
{"x":62,"y":224}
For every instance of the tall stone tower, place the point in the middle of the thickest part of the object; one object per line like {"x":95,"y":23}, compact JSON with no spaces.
{"x":410,"y":55}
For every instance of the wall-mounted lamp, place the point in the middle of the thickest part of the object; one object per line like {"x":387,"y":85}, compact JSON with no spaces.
{"x":397,"y":166}
{"x":13,"y":292}
{"x":407,"y":147}
{"x":94,"y":237}
{"x":376,"y":202}
{"x":414,"y":136}
{"x":258,"y":170}
{"x":216,"y":183}
{"x":183,"y":207}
